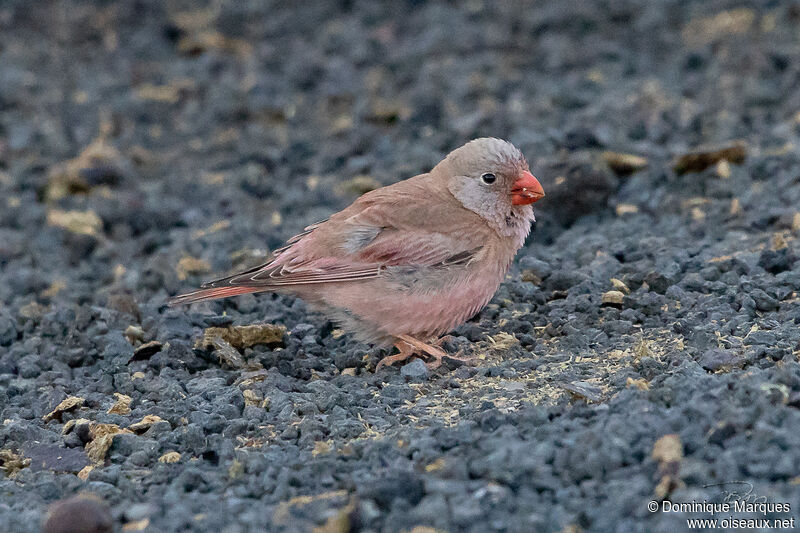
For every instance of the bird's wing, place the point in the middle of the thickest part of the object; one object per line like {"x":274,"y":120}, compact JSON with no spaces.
{"x":393,"y":226}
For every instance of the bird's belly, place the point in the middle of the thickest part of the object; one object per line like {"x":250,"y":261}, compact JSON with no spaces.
{"x":409,"y":302}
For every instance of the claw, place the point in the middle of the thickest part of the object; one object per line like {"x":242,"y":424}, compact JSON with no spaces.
{"x":410,"y":347}
{"x":406,"y":351}
{"x":389,"y":360}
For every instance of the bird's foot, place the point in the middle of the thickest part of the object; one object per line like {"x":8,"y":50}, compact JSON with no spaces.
{"x":434,"y":351}
{"x":410,"y":347}
{"x":406,"y":352}
{"x":459,"y":355}
{"x":417,"y":345}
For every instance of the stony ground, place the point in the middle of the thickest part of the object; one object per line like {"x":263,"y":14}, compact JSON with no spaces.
{"x":645,"y":346}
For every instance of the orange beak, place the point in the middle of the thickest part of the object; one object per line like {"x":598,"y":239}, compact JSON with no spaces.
{"x":526,"y":189}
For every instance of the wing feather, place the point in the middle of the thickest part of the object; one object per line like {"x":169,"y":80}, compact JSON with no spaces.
{"x":360,"y":243}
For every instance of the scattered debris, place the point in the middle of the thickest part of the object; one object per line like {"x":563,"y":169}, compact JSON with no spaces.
{"x":613,"y":298}
{"x":84,"y":473}
{"x":75,"y":422}
{"x":146,"y":350}
{"x":668,"y":451}
{"x":32,"y":311}
{"x":12,"y":462}
{"x":102,"y":436}
{"x":145,"y":423}
{"x":702,"y":31}
{"x":80,"y":222}
{"x":200,"y":42}
{"x":136,"y":525}
{"x":227,"y":354}
{"x":122,"y":406}
{"x":189,"y":266}
{"x":778,"y":242}
{"x":624,"y":164}
{"x":236,"y":469}
{"x":723,"y":169}
{"x":703,"y":157}
{"x":57,"y":286}
{"x":170,"y":457}
{"x":125,"y":303}
{"x":626,"y":209}
{"x":249,"y":378}
{"x":241,"y":337}
{"x":282,"y":514}
{"x":339,"y":522}
{"x":778,"y":391}
{"x":69,"y":403}
{"x":253,"y":397}
{"x":213,"y":228}
{"x":384,"y":111}
{"x":99,"y":164}
{"x":620,"y":286}
{"x":134,"y":334}
{"x":321,"y":447}
{"x":167,"y":94}
{"x":639,"y":383}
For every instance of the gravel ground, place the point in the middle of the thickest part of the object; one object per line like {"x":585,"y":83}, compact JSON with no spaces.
{"x":645,"y":346}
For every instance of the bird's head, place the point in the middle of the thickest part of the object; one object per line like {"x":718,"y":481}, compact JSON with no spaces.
{"x":491,"y":178}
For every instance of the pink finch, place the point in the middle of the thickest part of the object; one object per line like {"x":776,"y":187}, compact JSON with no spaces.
{"x":408,"y":262}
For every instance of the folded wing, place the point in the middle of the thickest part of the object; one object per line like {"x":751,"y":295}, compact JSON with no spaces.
{"x":355,"y":244}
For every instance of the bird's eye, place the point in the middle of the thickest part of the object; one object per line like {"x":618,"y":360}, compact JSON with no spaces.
{"x":488,"y":178}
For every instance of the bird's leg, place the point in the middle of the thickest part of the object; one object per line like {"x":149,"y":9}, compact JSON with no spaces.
{"x":410,"y":347}
{"x":434,"y":350}
{"x":406,"y":351}
{"x":421,"y":347}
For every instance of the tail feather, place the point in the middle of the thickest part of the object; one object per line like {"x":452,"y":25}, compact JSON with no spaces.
{"x":212,"y":294}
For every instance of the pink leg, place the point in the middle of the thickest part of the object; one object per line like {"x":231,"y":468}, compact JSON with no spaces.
{"x":433,"y":351}
{"x":406,"y":352}
{"x":411,"y":347}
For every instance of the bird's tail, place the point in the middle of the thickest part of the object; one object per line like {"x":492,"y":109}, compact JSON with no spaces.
{"x":211,"y":294}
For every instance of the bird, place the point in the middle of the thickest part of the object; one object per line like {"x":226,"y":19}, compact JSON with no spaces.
{"x":406,"y":263}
